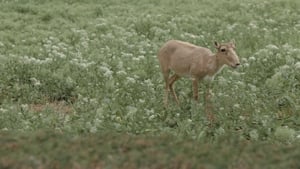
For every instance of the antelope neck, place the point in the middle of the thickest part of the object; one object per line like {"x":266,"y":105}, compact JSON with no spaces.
{"x":218,"y":65}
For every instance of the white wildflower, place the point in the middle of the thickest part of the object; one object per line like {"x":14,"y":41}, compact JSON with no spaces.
{"x":121,"y":72}
{"x":253,"y":134}
{"x":270,"y":21}
{"x":142,"y":51}
{"x":107,"y":72}
{"x":130,"y":80}
{"x":253,"y":24}
{"x":120,"y":65}
{"x":236,"y":106}
{"x":252,"y":58}
{"x":149,"y":83}
{"x":297,"y":65}
{"x":97,"y":121}
{"x":35,"y":81}
{"x":152,"y":117}
{"x":222,"y":81}
{"x":3,"y":110}
{"x":244,"y":60}
{"x":141,"y":57}
{"x":67,"y":119}
{"x":149,"y":112}
{"x":231,"y":27}
{"x":85,"y":99}
{"x":61,"y":55}
{"x":240,"y":83}
{"x":220,"y":131}
{"x":287,"y":46}
{"x":51,"y":38}
{"x":235,"y":73}
{"x":136,"y":59}
{"x":93,"y":129}
{"x":48,"y":60}
{"x":284,"y":133}
{"x":55,"y":48}
{"x":70,"y":81}
{"x":25,"y":107}
{"x":132,"y":109}
{"x":242,"y":117}
{"x":272,"y":47}
{"x":285,"y":67}
{"x":252,"y":87}
{"x":245,"y":65}
{"x":263,"y":51}
{"x":141,"y":100}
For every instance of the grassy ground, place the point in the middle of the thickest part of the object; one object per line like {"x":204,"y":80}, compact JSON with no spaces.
{"x":112,"y":150}
{"x":83,"y":77}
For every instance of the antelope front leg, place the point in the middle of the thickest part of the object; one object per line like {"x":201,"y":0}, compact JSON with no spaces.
{"x":171,"y":82}
{"x":166,"y":96}
{"x":195,"y":89}
{"x":208,"y":104}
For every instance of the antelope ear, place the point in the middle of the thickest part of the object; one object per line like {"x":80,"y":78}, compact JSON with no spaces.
{"x":217,"y":45}
{"x":232,"y":42}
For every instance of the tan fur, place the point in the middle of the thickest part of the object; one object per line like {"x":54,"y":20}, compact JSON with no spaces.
{"x":196,"y":62}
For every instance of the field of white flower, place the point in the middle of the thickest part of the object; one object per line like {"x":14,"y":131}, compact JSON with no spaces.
{"x":81,"y":67}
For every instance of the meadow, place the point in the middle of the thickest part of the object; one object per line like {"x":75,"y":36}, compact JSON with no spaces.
{"x":81,"y":87}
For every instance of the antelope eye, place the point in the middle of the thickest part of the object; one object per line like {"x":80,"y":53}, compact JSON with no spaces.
{"x":223,"y":50}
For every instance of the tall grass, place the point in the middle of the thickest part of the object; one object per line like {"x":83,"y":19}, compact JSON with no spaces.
{"x":99,"y":59}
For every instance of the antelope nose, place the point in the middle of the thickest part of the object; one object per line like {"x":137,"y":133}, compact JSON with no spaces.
{"x":235,"y":65}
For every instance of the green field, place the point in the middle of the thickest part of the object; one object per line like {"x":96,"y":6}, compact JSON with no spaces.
{"x":81,"y":87}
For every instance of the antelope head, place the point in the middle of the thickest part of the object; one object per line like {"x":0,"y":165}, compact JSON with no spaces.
{"x":226,"y":54}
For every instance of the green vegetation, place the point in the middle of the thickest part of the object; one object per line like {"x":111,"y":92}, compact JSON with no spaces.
{"x":80,"y":82}
{"x":110,"y":150}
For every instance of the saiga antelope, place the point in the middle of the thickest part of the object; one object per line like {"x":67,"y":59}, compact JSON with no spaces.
{"x":198,"y":63}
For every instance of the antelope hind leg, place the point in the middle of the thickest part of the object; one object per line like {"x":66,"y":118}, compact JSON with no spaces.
{"x":171,"y":82}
